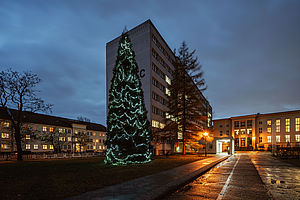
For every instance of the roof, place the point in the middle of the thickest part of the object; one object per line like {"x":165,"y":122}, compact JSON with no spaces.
{"x":260,"y":114}
{"x":37,"y":118}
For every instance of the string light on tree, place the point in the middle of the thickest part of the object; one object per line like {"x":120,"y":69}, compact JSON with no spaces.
{"x":128,"y":130}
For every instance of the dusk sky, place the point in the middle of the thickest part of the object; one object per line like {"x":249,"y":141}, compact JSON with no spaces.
{"x":250,"y":50}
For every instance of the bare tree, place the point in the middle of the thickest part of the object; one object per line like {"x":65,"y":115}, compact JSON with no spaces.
{"x":83,"y":139}
{"x":17,"y":90}
{"x":83,"y":119}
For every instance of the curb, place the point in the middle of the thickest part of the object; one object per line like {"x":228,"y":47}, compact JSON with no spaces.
{"x":173,"y":186}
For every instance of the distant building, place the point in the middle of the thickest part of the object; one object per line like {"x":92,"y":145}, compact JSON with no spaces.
{"x":257,"y":131}
{"x":155,"y":60}
{"x":37,"y":126}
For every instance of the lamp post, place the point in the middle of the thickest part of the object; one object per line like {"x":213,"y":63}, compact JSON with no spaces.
{"x":205,"y":135}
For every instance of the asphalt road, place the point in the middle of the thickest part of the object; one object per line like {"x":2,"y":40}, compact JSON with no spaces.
{"x":235,"y":178}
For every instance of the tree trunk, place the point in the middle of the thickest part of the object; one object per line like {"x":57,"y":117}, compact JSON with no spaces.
{"x":18,"y":142}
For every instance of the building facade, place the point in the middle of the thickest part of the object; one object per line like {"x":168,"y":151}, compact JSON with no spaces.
{"x":155,"y":60}
{"x":259,"y":131}
{"x":67,"y":134}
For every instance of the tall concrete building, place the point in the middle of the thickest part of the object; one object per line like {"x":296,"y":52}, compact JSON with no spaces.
{"x":257,"y":131}
{"x":154,"y":58}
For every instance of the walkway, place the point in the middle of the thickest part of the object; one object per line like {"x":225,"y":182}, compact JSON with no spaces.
{"x":156,"y":185}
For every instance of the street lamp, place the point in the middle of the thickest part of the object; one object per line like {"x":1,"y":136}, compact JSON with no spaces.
{"x":205,"y":135}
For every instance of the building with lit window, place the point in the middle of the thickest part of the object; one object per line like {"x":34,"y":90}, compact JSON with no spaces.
{"x":38,"y":127}
{"x":155,"y":60}
{"x":257,"y":131}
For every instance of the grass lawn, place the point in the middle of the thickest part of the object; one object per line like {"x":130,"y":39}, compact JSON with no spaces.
{"x":58,"y":179}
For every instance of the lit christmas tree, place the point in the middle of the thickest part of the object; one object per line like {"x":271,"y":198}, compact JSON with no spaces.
{"x":128,"y":130}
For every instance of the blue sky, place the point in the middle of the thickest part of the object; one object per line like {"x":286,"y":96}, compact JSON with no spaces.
{"x":249,"y":49}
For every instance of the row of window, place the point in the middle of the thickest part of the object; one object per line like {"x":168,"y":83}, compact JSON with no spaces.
{"x":161,"y":61}
{"x":243,"y":131}
{"x":287,"y":138}
{"x":157,"y":43}
{"x":50,"y":147}
{"x":238,"y":124}
{"x":160,"y":99}
{"x":4,"y":135}
{"x":161,"y":74}
{"x":157,"y":124}
{"x":158,"y":111}
{"x":5,"y":124}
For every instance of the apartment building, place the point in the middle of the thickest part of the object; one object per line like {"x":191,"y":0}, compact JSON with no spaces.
{"x":259,"y":131}
{"x":155,"y":60}
{"x":38,"y":127}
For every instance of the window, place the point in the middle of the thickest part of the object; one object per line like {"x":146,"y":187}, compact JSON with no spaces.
{"x":62,"y":139}
{"x":221,"y":126}
{"x":168,"y":92}
{"x":27,"y":146}
{"x":227,"y":132}
{"x":51,"y":129}
{"x":94,"y":147}
{"x":161,"y":125}
{"x":249,"y":141}
{"x":287,"y":138}
{"x":44,"y":128}
{"x":243,"y":142}
{"x":61,"y":130}
{"x":269,"y":138}
{"x":260,"y":122}
{"x":297,"y":124}
{"x":94,"y":134}
{"x":5,"y":124}
{"x":287,"y":125}
{"x":4,"y":146}
{"x":243,"y":123}
{"x":51,"y":146}
{"x":221,"y":133}
{"x":277,"y":138}
{"x":236,"y":124}
{"x":69,"y":139}
{"x":27,"y":137}
{"x":44,"y":146}
{"x":36,"y":146}
{"x":297,"y":137}
{"x":236,"y":132}
{"x":269,"y":129}
{"x":155,"y":124}
{"x":36,"y":128}
{"x":97,"y":140}
{"x":249,"y":123}
{"x":277,"y":125}
{"x":76,"y":139}
{"x":260,"y":139}
{"x":168,"y":80}
{"x":5,"y":135}
{"x":269,"y":123}
{"x":249,"y":131}
{"x":259,"y":130}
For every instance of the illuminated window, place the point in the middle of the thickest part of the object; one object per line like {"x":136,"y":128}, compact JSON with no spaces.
{"x":168,"y":80}
{"x":36,"y":146}
{"x":269,"y":122}
{"x":62,"y":139}
{"x":161,"y":125}
{"x":236,"y":132}
{"x":179,"y":136}
{"x":99,"y":134}
{"x":277,"y":125}
{"x":287,"y":138}
{"x":51,"y":129}
{"x":103,"y":134}
{"x":269,"y":129}
{"x":5,"y":135}
{"x":297,"y":124}
{"x":269,"y":139}
{"x":97,"y":140}
{"x":249,"y":131}
{"x":168,"y":92}
{"x":61,"y":130}
{"x":27,"y":137}
{"x":94,"y":134}
{"x":51,"y":146}
{"x":277,"y":138}
{"x":44,"y":146}
{"x":100,"y":147}
{"x":76,"y":139}
{"x":69,"y":139}
{"x":260,"y":139}
{"x":4,"y":146}
{"x":155,"y":124}
{"x":6,"y":124}
{"x":287,"y":125}
{"x":94,"y":147}
{"x":27,"y":146}
{"x":297,"y":137}
{"x":44,"y":128}
{"x":260,"y":130}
